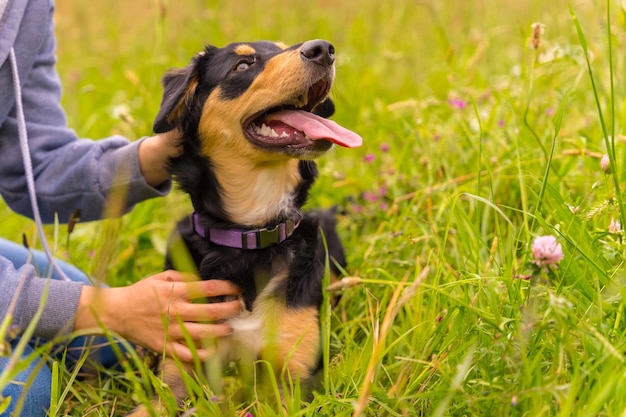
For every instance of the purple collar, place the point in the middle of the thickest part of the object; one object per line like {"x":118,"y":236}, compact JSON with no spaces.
{"x":247,"y":239}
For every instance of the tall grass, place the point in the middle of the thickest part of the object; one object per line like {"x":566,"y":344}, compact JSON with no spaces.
{"x":475,"y":143}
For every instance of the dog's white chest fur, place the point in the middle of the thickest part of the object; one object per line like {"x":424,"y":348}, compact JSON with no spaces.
{"x":252,"y":330}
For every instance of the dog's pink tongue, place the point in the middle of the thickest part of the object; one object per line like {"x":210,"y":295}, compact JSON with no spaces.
{"x":316,"y":127}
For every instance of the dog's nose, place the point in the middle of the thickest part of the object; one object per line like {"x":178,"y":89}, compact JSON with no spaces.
{"x":318,"y":51}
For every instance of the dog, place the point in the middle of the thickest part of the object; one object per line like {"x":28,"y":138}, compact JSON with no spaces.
{"x":253,"y":117}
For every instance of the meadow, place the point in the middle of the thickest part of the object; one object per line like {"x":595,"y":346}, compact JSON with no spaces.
{"x":478,"y":138}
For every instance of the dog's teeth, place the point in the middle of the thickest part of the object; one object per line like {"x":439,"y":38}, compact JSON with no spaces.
{"x":265,"y":130}
{"x":302,"y":100}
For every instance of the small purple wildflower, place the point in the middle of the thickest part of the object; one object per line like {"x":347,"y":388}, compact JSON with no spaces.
{"x":501,"y":123}
{"x":369,"y":196}
{"x":369,"y":158}
{"x":605,"y":164}
{"x":547,"y":252}
{"x":457,"y":103}
{"x":615,"y":226}
{"x":384,"y":147}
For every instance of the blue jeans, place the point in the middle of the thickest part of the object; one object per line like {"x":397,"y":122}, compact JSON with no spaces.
{"x":37,"y":393}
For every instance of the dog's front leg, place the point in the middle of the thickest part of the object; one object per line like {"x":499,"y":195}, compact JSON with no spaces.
{"x":295,"y":347}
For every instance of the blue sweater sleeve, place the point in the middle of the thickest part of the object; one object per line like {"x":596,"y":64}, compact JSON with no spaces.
{"x":27,"y":291}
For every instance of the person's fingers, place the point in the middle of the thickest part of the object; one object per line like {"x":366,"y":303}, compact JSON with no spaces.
{"x":179,"y":350}
{"x":199,"y":331}
{"x":209,"y":288}
{"x":209,"y":311}
{"x":172,"y":275}
{"x":215,"y":287}
{"x":191,"y":287}
{"x":185,"y":354}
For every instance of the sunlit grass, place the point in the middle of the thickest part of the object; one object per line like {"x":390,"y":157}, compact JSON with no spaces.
{"x":475,"y":143}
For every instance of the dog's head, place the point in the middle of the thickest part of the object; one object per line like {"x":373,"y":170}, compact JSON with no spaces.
{"x":252,"y":115}
{"x":261,"y":99}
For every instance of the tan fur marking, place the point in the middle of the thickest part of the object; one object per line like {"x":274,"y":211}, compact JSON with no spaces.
{"x":254,"y":195}
{"x":244,"y":50}
{"x":281,"y":45}
{"x":299,"y":341}
{"x":289,"y":338}
{"x":252,"y":192}
{"x":177,"y":112}
{"x":255,"y":185}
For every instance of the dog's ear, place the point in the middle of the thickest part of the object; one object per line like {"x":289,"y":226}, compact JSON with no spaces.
{"x":325,"y":109}
{"x":179,"y":86}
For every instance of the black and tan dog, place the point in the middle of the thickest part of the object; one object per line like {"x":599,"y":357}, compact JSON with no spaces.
{"x":253,"y":117}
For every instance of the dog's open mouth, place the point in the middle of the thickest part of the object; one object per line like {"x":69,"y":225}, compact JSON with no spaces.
{"x":293,"y":125}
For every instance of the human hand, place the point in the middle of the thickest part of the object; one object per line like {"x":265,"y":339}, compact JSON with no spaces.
{"x":154,"y":152}
{"x":149,"y":312}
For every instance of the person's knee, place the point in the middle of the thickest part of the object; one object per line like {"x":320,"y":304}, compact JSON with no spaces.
{"x":19,"y":256}
{"x":30,"y":388}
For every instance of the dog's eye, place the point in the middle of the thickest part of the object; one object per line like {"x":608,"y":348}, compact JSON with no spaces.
{"x":242,"y":66}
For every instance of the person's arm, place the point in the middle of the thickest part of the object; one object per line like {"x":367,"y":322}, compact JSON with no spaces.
{"x":146,"y":313}
{"x":70,"y":174}
{"x":150,"y":311}
{"x":60,"y":304}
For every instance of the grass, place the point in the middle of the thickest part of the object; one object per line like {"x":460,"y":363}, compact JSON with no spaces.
{"x":475,"y":144}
